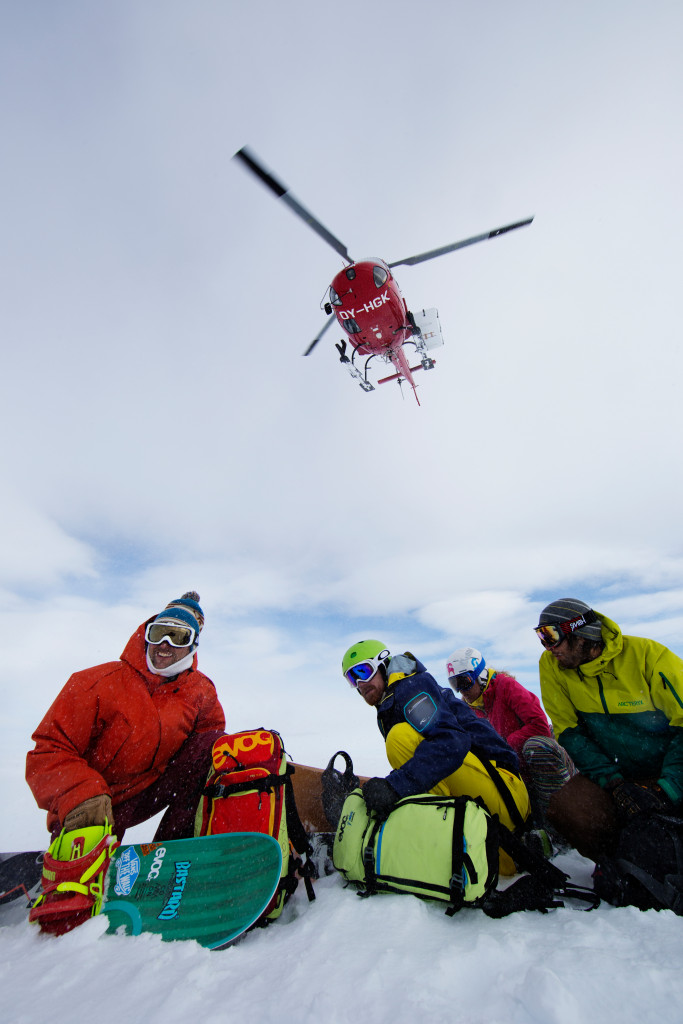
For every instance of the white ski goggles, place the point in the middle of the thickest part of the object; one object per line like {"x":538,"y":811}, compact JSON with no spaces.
{"x":365,"y":669}
{"x":174,"y":633}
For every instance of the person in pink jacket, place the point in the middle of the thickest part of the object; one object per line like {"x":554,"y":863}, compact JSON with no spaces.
{"x":516,"y":715}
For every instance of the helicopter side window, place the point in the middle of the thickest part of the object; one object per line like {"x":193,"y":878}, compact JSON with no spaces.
{"x":334,"y":298}
{"x":379,"y":276}
{"x":351,"y":326}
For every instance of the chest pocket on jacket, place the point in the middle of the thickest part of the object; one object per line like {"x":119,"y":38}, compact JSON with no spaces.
{"x":420,"y":711}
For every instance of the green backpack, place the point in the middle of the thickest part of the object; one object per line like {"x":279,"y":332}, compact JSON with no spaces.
{"x":440,"y":848}
{"x":446,"y":849}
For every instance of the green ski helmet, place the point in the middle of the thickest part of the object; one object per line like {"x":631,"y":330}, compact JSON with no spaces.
{"x":362,"y":660}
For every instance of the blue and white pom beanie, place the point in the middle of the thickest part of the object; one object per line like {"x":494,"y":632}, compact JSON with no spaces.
{"x":185,"y":609}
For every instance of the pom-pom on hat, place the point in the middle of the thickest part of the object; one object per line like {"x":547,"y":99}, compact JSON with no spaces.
{"x":567,"y":608}
{"x":185,"y":609}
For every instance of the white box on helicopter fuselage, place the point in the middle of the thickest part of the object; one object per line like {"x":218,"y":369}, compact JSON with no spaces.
{"x":430,"y":327}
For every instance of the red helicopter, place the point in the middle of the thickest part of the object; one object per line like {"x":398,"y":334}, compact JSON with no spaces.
{"x":367,"y":301}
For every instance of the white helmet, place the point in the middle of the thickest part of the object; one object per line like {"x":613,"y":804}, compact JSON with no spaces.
{"x":467,"y":661}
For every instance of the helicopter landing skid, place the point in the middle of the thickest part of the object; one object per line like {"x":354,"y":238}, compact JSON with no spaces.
{"x":353,"y":370}
{"x":358,"y":376}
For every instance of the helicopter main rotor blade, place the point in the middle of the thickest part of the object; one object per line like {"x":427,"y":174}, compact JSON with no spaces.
{"x":328,"y":324}
{"x":282,"y":192}
{"x":433,"y":253}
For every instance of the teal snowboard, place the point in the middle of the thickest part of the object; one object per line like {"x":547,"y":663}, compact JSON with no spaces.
{"x":210,"y":889}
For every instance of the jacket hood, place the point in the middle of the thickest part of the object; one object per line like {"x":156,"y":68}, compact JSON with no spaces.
{"x":135,"y":650}
{"x":402,"y":665}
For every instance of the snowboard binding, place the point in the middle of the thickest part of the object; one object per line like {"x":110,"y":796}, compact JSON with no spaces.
{"x":74,"y":869}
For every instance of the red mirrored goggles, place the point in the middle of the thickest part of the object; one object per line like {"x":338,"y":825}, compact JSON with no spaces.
{"x":176,"y":635}
{"x":553,"y":633}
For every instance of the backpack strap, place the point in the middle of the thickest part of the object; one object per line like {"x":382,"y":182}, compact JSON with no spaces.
{"x":546,"y":886}
{"x":529,"y":893}
{"x":528,"y":860}
{"x":369,"y":858}
{"x":506,"y":796}
{"x":262,"y":784}
{"x":298,"y":836}
{"x":459,"y":860}
{"x":669,"y":892}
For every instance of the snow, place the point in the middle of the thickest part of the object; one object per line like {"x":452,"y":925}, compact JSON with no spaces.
{"x":343,"y":958}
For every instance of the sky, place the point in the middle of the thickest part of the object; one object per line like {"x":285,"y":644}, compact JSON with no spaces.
{"x":161,"y":430}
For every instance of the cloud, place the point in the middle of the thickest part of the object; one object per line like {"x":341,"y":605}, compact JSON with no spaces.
{"x":36,"y":552}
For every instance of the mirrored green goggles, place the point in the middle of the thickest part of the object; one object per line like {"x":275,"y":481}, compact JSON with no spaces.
{"x":174,"y":633}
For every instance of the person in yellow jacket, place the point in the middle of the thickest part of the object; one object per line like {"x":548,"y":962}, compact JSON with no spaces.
{"x":616,"y":705}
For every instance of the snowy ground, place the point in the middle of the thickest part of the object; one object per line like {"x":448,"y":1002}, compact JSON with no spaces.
{"x":389,"y":958}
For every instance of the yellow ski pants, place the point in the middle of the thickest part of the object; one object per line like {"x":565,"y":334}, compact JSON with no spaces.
{"x":471,"y":779}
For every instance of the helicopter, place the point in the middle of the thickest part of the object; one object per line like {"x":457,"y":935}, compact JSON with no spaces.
{"x":366,"y":300}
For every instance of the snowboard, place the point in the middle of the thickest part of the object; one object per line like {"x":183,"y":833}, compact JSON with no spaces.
{"x":20,"y":875}
{"x":210,"y":889}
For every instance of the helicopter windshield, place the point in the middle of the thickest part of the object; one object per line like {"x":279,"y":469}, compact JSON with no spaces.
{"x":379,"y":276}
{"x":334,"y":298}
{"x":351,"y":326}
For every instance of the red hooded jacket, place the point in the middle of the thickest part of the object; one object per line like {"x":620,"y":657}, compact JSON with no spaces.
{"x":114,"y":728}
{"x":513,"y":711}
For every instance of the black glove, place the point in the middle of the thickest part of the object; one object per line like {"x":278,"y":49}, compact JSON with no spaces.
{"x":633,"y":798}
{"x":380,"y":796}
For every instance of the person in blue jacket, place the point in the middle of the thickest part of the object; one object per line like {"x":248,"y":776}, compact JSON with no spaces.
{"x":435,"y":743}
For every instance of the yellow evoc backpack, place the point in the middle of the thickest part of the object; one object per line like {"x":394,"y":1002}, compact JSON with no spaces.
{"x":439,"y":848}
{"x":445,"y":848}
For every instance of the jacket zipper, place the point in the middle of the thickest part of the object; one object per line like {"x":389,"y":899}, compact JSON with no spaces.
{"x":672,"y":688}
{"x":602,"y":695}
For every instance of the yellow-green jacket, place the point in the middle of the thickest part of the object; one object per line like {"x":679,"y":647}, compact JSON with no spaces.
{"x":621,"y":715}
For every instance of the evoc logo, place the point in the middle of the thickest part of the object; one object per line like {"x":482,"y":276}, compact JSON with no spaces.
{"x":343,"y":823}
{"x":156,"y":864}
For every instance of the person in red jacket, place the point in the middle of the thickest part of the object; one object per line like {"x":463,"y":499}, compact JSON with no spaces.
{"x":516,"y":715}
{"x":128,"y":738}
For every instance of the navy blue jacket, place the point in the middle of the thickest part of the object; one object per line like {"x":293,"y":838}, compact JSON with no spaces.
{"x":449,"y":727}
